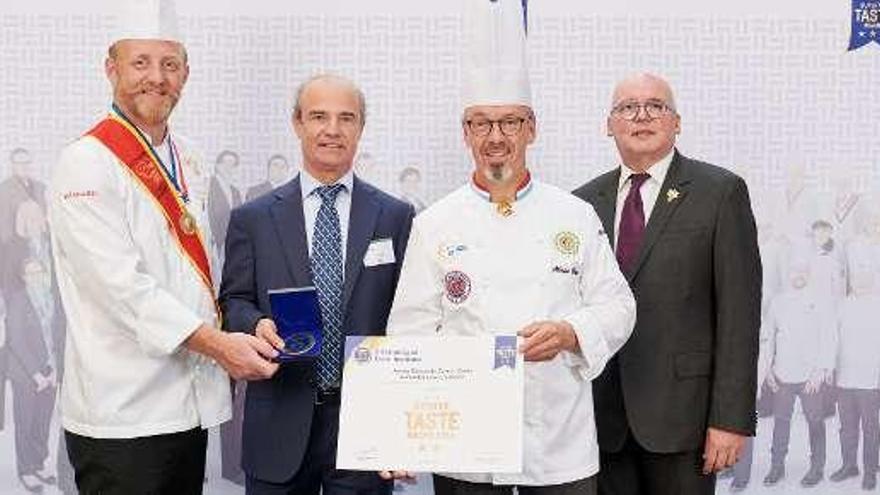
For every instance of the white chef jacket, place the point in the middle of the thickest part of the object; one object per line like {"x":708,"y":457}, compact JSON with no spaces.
{"x":802,"y":335}
{"x":521,"y":271}
{"x":858,"y":359}
{"x":131,"y":299}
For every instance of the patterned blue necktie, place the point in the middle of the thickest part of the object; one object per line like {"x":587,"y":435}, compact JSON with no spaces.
{"x":327,"y":277}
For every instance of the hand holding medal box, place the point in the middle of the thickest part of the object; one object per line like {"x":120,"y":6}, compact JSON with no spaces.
{"x":298,"y":318}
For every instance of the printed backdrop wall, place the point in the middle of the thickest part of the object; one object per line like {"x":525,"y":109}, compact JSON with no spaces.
{"x":767,"y":89}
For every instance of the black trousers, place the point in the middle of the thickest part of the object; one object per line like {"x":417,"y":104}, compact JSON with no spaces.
{"x":814,"y":411}
{"x":636,"y":471}
{"x":318,"y":473}
{"x":449,"y":486}
{"x":859,"y":409}
{"x":172,"y":464}
{"x":32,"y":412}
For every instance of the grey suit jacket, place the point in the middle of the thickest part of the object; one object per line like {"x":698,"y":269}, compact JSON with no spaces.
{"x":691,"y":361}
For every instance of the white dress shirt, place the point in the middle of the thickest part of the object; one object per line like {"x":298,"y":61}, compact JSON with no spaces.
{"x":312,"y":203}
{"x":549,"y":260}
{"x":649,"y":191}
{"x":131,"y":299}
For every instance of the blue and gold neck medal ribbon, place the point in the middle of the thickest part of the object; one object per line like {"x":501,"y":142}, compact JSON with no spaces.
{"x":865,"y":23}
{"x":173,"y":173}
{"x":135,"y":153}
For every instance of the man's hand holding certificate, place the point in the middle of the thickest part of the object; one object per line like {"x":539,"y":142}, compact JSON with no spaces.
{"x":432,"y":404}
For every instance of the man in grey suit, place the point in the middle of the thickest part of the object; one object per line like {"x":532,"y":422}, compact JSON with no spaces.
{"x":19,"y":188}
{"x":678,"y":401}
{"x":33,"y":324}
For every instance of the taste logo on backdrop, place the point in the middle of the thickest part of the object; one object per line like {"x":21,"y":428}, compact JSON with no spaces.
{"x":865,"y":23}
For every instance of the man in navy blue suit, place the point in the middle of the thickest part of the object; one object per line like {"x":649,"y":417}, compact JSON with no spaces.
{"x":329,"y":229}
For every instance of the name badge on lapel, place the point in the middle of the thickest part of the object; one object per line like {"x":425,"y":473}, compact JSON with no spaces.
{"x":379,"y":252}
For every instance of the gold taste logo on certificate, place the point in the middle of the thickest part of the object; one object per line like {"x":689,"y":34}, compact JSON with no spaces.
{"x":432,"y":420}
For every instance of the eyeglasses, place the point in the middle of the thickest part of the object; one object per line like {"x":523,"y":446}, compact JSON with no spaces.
{"x":629,"y":110}
{"x":509,"y":126}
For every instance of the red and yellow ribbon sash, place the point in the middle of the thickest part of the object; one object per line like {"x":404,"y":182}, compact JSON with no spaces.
{"x":135,"y":153}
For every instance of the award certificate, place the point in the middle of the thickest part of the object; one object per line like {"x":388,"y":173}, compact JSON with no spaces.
{"x":439,"y":404}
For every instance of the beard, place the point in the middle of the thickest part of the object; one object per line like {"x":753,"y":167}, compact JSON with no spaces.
{"x":153,"y":112}
{"x":497,"y":173}
{"x":149,"y":106}
{"x":496,"y":169}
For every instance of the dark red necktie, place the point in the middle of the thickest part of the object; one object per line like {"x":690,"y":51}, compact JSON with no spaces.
{"x":632,"y":225}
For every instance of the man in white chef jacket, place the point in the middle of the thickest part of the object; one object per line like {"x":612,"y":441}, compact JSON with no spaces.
{"x":144,"y":360}
{"x":802,"y":344}
{"x":858,"y":373}
{"x":506,"y":253}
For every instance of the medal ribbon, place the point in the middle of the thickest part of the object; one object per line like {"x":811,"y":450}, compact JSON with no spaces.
{"x":139,"y":158}
{"x":504,"y":208}
{"x":171,"y":173}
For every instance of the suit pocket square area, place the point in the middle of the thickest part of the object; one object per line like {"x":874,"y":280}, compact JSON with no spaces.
{"x":379,"y":252}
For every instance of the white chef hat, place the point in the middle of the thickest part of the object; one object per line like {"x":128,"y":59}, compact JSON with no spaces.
{"x":145,"y":19}
{"x":494,"y":59}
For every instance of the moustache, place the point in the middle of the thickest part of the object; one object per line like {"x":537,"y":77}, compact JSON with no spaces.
{"x":158,"y":91}
{"x":495,"y":147}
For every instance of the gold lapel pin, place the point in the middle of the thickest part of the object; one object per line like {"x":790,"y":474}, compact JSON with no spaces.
{"x":671,"y":195}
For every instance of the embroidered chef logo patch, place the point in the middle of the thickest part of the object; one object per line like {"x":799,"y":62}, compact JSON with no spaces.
{"x":448,"y":251}
{"x":458,"y":286}
{"x":567,"y":243}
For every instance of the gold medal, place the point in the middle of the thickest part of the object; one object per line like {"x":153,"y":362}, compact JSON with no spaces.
{"x":187,"y":223}
{"x":504,"y":208}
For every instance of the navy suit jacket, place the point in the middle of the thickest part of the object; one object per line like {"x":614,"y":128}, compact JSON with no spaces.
{"x":266,"y":249}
